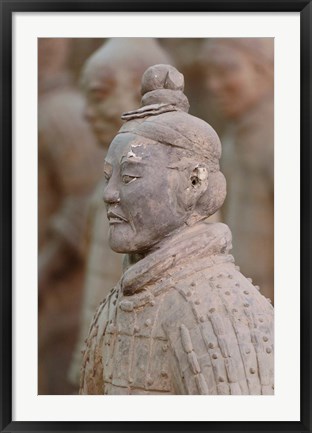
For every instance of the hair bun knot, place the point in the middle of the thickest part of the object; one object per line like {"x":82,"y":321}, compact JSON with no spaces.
{"x":162,"y":91}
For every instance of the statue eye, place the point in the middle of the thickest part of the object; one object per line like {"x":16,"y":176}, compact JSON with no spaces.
{"x":128,"y":179}
{"x":107,"y":176}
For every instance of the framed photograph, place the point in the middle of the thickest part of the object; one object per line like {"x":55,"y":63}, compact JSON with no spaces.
{"x":54,"y":48}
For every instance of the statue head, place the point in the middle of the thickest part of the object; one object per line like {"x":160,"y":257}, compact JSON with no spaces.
{"x":111,"y":81}
{"x":238,"y":72}
{"x":162,"y":168}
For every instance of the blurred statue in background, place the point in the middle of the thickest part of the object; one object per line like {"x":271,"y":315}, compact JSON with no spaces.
{"x":111,"y":81}
{"x":68,"y":169}
{"x":239,"y":74}
{"x":182,"y":319}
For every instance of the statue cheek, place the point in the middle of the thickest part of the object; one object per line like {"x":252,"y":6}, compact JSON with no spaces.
{"x":132,"y":196}
{"x":183,"y":199}
{"x":140,"y":221}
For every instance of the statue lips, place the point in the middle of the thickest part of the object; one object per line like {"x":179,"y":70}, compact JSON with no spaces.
{"x":115,"y":218}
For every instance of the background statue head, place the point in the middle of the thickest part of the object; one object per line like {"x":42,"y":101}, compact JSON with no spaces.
{"x":238,"y":72}
{"x":111,"y":81}
{"x":162,"y":168}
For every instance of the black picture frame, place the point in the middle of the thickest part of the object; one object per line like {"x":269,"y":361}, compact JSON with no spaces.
{"x":7,"y":9}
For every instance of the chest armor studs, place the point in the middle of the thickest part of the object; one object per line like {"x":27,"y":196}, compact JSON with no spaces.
{"x":209,"y":333}
{"x":135,"y":349}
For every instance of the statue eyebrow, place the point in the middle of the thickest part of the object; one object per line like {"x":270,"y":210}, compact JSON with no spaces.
{"x":131,"y":160}
{"x":108,"y":169}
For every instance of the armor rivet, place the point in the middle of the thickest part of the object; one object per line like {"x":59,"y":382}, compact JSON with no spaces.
{"x":150,"y":381}
{"x":212,"y":310}
{"x":136,"y":328}
{"x":197,"y":302}
{"x":193,"y":284}
{"x":221,"y":379}
{"x":126,"y":306}
{"x":210,"y":345}
{"x":252,"y":370}
{"x":218,"y":286}
{"x":268,"y":350}
{"x":249,"y":279}
{"x":227,"y":293}
{"x":188,"y":293}
{"x":148,"y":322}
{"x":236,"y":284}
{"x":230,"y":276}
{"x":265,"y":338}
{"x":215,"y":356}
{"x":246,"y":292}
{"x":152,"y":303}
{"x":202,"y":319}
{"x":119,"y":337}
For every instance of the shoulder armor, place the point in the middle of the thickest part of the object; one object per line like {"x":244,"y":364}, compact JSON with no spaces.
{"x":221,"y":331}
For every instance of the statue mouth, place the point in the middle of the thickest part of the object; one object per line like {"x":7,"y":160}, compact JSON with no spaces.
{"x":115,"y":218}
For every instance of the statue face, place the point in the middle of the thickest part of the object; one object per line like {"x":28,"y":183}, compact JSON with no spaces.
{"x":232,"y":79}
{"x":141,"y":194}
{"x":108,"y":92}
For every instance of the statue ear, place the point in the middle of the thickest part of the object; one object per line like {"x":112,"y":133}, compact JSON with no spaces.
{"x":198,"y":181}
{"x":195,"y":187}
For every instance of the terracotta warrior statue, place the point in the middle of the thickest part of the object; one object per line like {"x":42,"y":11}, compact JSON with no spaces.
{"x":68,"y":169}
{"x":239,"y":75}
{"x":182,"y":319}
{"x":111,"y":82}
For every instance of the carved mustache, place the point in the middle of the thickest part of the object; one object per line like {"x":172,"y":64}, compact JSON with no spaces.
{"x":114,"y":215}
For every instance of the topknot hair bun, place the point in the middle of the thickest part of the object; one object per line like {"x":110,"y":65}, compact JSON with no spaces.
{"x":162,"y":92}
{"x":162,"y":77}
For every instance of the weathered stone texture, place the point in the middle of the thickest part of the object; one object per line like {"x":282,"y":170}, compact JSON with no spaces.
{"x":182,"y":319}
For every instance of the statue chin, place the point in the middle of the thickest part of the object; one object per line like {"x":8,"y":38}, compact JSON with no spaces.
{"x":121,"y":245}
{"x":117,"y":244}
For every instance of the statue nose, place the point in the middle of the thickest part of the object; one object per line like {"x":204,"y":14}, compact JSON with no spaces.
{"x":111,"y":195}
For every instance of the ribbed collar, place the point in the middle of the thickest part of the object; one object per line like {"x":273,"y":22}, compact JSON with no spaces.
{"x":196,"y":243}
